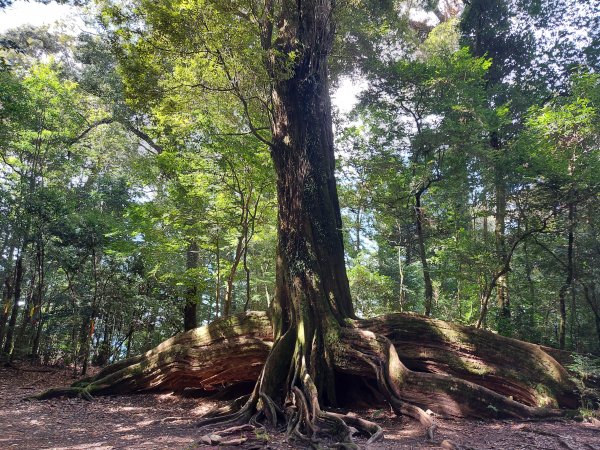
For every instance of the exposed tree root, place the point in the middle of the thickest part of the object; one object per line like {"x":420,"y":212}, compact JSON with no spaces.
{"x":201,"y":359}
{"x":300,"y":414}
{"x":363,"y":353}
{"x":239,"y":350}
{"x":226,"y":352}
{"x":528,"y":373}
{"x":446,"y":395}
{"x":218,"y":439}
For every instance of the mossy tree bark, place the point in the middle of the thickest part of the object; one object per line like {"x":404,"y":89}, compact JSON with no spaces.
{"x":209,"y":358}
{"x":312,"y":298}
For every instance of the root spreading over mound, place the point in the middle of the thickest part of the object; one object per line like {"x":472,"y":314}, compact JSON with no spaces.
{"x":415,"y":364}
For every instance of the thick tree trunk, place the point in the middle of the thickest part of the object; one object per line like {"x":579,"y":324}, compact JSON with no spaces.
{"x":316,"y":334}
{"x":312,"y":297}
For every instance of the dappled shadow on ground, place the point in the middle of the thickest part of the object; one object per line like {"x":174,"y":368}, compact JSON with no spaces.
{"x":149,"y":421}
{"x":167,"y":421}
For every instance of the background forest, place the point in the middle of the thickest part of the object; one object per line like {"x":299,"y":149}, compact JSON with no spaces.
{"x":135,"y":204}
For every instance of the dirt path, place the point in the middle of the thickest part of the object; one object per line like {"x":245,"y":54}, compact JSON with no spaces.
{"x":166,"y":421}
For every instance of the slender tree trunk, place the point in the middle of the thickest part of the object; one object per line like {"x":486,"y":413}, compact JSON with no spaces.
{"x":74,"y":348}
{"x":484,"y":300}
{"x":231,"y":277}
{"x":247,"y":272}
{"x":39,"y":299}
{"x":591,"y":298}
{"x":357,"y":228}
{"x":531,"y":288}
{"x":7,"y":301}
{"x":486,"y":228}
{"x":402,"y":294}
{"x":44,"y":351}
{"x":562,"y":295}
{"x":420,"y":218}
{"x":249,"y":233}
{"x":218,"y":277}
{"x":129,"y":343}
{"x":502,"y":294}
{"x":89,"y":322}
{"x":34,"y":298}
{"x":86,"y":332}
{"x":8,"y":343}
{"x":575,"y":323}
{"x":35,"y":345}
{"x":529,"y":275}
{"x":27,"y":312}
{"x":100,"y":352}
{"x":488,"y":288}
{"x":267,"y":298}
{"x":7,"y":291}
{"x":597,"y":317}
{"x":190,"y":311}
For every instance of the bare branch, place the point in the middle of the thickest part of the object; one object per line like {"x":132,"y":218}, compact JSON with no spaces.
{"x":84,"y":133}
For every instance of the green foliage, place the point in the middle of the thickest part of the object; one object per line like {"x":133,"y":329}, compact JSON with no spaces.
{"x":372,"y":292}
{"x":586,"y":370}
{"x":127,"y":152}
{"x":453,"y":128}
{"x":585,"y":367}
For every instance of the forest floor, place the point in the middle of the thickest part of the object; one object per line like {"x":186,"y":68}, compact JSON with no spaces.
{"x":166,"y":421}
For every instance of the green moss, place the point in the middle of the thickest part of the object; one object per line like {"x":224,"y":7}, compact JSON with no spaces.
{"x":137,"y":369}
{"x":262,"y":435}
{"x":544,"y":396}
{"x":477,"y":367}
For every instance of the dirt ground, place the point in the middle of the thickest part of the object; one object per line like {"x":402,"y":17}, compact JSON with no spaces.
{"x":166,"y":421}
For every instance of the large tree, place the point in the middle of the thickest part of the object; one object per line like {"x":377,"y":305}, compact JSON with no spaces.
{"x":267,"y":62}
